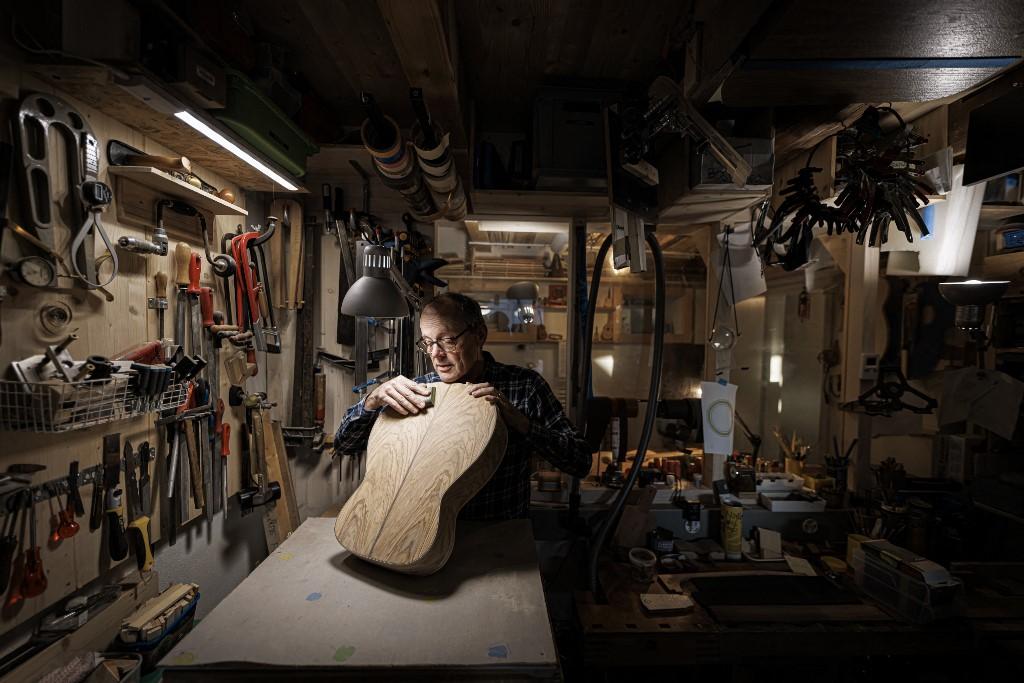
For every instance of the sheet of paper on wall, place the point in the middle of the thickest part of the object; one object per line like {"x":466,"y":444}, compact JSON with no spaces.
{"x":718,"y":405}
{"x":747,"y":279}
{"x":989,"y":398}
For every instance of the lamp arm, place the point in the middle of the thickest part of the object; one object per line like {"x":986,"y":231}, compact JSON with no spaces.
{"x":410,"y":295}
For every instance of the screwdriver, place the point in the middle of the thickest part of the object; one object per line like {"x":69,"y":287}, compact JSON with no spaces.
{"x":160,"y":300}
{"x":225,"y":451}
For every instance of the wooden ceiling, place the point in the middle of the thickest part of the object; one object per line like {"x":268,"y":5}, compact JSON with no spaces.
{"x":510,"y":47}
{"x":818,"y":57}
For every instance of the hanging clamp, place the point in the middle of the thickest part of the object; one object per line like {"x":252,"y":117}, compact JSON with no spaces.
{"x":97,"y":196}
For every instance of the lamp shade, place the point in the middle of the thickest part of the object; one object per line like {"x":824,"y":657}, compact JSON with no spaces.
{"x":374,"y":295}
{"x":523,"y":291}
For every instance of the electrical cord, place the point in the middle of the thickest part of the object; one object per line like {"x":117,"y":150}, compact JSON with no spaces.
{"x":652,"y":395}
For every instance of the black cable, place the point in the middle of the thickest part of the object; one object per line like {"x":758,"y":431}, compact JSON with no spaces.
{"x":652,"y":396}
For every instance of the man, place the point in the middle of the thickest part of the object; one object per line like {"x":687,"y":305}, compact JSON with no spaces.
{"x":453,"y":334}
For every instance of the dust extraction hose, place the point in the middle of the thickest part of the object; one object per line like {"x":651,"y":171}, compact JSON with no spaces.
{"x":652,"y":394}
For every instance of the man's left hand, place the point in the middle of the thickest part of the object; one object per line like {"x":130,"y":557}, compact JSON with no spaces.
{"x":513,"y":417}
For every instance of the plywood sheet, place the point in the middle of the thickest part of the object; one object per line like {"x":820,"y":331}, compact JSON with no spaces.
{"x":421,"y":469}
{"x":332,"y":612}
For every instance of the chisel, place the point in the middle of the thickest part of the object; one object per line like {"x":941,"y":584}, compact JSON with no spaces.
{"x":160,"y":300}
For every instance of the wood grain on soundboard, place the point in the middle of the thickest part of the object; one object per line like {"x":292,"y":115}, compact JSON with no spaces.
{"x":421,"y":470}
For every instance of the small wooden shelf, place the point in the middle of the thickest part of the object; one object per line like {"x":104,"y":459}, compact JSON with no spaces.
{"x":648,"y":339}
{"x":996,"y":211}
{"x":167,"y":184}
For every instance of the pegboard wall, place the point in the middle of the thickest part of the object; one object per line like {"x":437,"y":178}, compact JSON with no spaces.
{"x":104,"y":328}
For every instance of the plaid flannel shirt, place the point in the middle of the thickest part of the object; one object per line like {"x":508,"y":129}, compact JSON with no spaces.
{"x":551,"y":435}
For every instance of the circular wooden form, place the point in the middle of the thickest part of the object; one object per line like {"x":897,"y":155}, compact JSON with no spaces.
{"x":420,"y":471}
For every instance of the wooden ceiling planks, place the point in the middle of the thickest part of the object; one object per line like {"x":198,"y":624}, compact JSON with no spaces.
{"x":814,"y":53}
{"x":512,"y":47}
{"x":811,"y":29}
{"x":279,"y":23}
{"x":354,"y":35}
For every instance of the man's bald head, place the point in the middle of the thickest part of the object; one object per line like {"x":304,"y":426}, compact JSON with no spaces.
{"x":455,"y":308}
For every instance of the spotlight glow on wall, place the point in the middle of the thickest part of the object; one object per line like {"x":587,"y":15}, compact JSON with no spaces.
{"x":775,"y":369}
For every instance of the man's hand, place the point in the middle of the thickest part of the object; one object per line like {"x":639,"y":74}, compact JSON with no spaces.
{"x":513,"y":417}
{"x":401,"y":394}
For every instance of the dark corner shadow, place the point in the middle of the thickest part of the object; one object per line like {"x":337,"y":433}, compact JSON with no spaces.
{"x":480,"y":549}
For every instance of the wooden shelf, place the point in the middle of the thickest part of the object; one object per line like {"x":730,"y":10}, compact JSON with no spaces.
{"x":164,"y":183}
{"x":648,"y":339}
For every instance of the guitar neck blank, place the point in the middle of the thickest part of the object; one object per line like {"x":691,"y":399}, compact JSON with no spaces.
{"x":420,"y":471}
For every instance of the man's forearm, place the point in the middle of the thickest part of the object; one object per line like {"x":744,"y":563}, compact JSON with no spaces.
{"x":354,"y":430}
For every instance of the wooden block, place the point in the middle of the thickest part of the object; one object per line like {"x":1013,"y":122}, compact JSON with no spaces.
{"x":420,"y":471}
{"x":666,"y":603}
{"x":291,"y":503}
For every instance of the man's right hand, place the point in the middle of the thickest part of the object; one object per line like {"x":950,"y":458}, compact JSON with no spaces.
{"x":401,"y":394}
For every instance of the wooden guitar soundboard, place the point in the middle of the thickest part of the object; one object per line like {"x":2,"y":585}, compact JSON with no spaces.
{"x":420,"y":471}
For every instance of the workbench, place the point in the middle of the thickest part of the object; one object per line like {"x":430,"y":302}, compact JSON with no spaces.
{"x":619,"y":636}
{"x":312,"y":610}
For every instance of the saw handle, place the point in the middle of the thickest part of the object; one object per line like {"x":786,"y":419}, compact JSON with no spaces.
{"x":138,"y":535}
{"x":206,"y":305}
{"x":195,"y":270}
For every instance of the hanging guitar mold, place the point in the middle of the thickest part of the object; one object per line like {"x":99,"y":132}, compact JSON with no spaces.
{"x":420,"y":471}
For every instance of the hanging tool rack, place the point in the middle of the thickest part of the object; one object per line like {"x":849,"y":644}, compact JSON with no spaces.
{"x":53,"y":488}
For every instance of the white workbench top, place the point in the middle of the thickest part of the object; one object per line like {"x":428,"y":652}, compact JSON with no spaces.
{"x":312,"y":606}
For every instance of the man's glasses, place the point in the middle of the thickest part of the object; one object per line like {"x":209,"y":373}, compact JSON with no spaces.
{"x":447,"y":344}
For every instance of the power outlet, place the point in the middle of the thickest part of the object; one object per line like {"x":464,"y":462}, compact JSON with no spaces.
{"x":869,"y":367}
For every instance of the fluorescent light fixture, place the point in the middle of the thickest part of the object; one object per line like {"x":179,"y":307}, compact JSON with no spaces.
{"x":548,"y":227}
{"x":203,"y":128}
{"x":775,"y":369}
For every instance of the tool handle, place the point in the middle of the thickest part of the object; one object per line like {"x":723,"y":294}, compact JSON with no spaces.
{"x":116,"y":541}
{"x":182,"y":256}
{"x":195,"y":468}
{"x":96,"y":510}
{"x":148,"y":353}
{"x":160,"y":282}
{"x":225,"y":440}
{"x":206,"y":305}
{"x":195,"y":270}
{"x":319,"y":398}
{"x":164,"y":163}
{"x":217,"y":329}
{"x":138,"y":535}
{"x":325,"y":190}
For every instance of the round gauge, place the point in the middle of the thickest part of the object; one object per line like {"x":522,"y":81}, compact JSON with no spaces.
{"x":35,"y":271}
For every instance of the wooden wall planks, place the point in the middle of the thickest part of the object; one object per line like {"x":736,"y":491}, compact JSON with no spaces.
{"x":421,"y":470}
{"x":104,"y":328}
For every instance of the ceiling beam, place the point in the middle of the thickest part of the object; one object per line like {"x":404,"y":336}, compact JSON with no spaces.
{"x":424,"y":36}
{"x":723,"y":43}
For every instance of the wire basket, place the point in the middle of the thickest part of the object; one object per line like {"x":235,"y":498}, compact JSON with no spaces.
{"x":56,"y":406}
